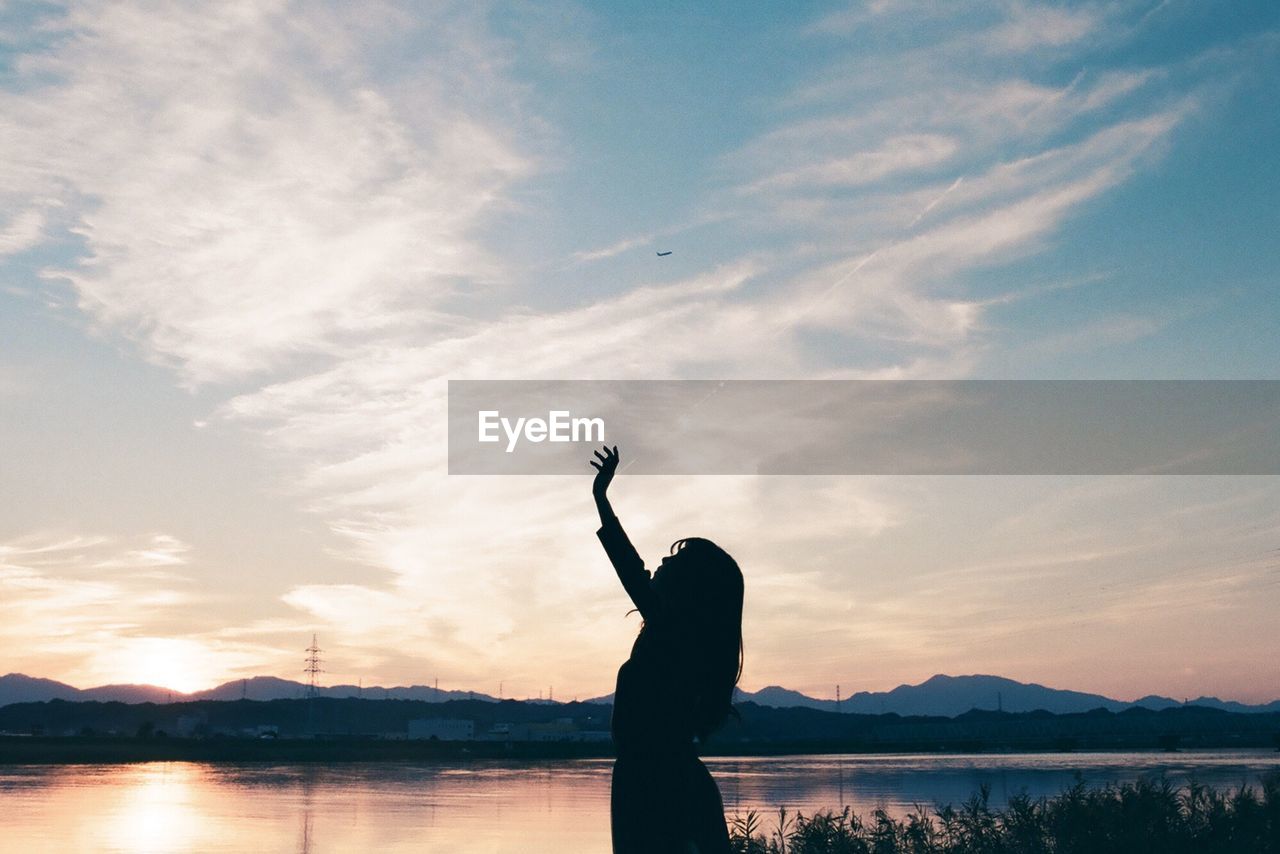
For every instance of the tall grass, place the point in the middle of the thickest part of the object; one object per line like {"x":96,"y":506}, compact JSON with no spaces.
{"x":1133,"y":818}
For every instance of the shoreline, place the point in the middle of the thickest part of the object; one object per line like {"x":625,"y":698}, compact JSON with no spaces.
{"x":110,"y":750}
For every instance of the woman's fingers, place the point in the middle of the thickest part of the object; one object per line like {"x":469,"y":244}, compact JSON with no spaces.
{"x":595,"y":465}
{"x":601,"y":457}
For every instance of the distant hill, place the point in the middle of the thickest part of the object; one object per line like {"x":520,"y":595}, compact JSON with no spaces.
{"x":949,"y":696}
{"x":1233,"y":706}
{"x":942,"y":696}
{"x":20,"y":688}
{"x":954,"y":695}
{"x":130,"y":694}
{"x":773,"y":696}
{"x":257,"y":688}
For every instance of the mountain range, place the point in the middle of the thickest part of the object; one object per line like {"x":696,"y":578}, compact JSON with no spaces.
{"x":20,"y":688}
{"x":944,"y":696}
{"x":948,"y":696}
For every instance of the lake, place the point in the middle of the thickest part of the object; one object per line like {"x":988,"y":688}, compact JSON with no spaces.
{"x":555,"y":806}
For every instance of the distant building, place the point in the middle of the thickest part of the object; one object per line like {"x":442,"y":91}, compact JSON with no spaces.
{"x":443,"y":729}
{"x":561,"y":729}
{"x":192,"y":725}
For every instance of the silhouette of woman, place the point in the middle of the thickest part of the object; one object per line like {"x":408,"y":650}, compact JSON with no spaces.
{"x":676,"y":686}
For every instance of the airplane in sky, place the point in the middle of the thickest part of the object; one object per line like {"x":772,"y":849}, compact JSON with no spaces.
{"x":663,"y":254}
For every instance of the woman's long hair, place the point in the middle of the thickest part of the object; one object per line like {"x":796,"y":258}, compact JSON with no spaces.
{"x":702,"y":596}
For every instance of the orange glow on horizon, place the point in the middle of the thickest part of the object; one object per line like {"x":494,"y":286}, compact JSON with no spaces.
{"x":182,"y":666}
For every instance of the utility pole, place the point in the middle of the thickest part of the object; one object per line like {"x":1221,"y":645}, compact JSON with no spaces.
{"x":837,"y":698}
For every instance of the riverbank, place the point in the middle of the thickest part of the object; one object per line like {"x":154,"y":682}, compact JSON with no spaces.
{"x":107,"y":750}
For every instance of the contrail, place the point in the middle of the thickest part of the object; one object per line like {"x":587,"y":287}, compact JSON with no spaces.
{"x":933,"y":204}
{"x":1151,"y":12}
{"x":867,"y":259}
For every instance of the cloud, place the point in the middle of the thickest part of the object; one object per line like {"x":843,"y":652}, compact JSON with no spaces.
{"x":613,"y":249}
{"x":1033,"y":25}
{"x":161,"y":550}
{"x":899,"y":154}
{"x":1015,"y":27}
{"x":86,"y":607}
{"x":235,"y":175}
{"x":21,"y":232}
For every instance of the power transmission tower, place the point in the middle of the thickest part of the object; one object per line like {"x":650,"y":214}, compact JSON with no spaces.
{"x":837,"y":698}
{"x":312,"y":669}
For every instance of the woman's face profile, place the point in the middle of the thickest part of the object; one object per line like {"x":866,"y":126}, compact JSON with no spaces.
{"x":663,"y":570}
{"x":667,"y":574}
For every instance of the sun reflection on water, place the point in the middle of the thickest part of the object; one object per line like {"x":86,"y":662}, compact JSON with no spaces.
{"x":157,"y":810}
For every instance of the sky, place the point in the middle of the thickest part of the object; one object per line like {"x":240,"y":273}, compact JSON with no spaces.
{"x":245,"y":245}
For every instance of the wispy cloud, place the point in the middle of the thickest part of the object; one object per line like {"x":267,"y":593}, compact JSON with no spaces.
{"x":238,"y":177}
{"x":161,"y":550}
{"x":613,"y":249}
{"x":21,"y":232}
{"x":1032,"y":25}
{"x":899,"y":154}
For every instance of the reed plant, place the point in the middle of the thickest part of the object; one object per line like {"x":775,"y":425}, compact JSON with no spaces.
{"x":1150,"y":816}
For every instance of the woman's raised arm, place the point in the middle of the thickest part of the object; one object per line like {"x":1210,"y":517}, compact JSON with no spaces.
{"x":624,"y":557}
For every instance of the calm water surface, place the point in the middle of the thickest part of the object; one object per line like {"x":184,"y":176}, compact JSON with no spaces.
{"x":560,"y":807}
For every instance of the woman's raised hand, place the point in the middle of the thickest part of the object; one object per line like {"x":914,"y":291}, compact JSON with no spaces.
{"x":606,"y":467}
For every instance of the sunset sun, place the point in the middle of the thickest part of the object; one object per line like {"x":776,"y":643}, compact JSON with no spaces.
{"x":179,"y":665}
